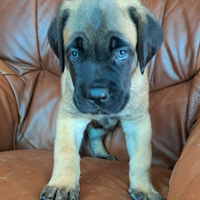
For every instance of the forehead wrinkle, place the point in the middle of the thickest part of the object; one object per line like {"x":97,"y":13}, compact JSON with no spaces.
{"x":90,"y":15}
{"x":97,"y":18}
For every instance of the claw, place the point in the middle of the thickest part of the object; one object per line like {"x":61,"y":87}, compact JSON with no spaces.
{"x":53,"y":193}
{"x":138,"y":195}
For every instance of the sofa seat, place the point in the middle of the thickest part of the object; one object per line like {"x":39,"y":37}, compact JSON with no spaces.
{"x":23,"y":174}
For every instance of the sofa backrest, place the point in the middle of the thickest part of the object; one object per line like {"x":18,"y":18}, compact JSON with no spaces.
{"x":32,"y":71}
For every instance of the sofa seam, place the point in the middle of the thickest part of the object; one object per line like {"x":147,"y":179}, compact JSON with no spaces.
{"x":37,"y":34}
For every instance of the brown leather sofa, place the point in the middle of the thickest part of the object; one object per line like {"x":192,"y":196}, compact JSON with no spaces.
{"x":30,"y":93}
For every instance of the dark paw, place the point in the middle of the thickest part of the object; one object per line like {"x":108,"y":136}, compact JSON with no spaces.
{"x":52,"y":193}
{"x":137,"y":195}
{"x":108,"y":157}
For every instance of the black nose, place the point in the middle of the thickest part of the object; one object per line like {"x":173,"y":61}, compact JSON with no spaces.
{"x":98,"y":95}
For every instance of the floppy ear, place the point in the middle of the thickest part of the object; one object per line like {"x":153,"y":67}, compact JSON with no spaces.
{"x":55,"y":35}
{"x":149,"y":36}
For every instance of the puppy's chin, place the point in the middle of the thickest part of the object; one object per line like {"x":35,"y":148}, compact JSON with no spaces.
{"x":85,"y":106}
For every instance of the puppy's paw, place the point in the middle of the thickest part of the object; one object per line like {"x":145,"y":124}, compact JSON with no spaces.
{"x":138,"y":195}
{"x":53,"y":193}
{"x":108,"y":157}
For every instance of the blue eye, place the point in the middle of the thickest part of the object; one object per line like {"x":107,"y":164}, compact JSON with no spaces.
{"x":122,"y":54}
{"x":74,"y":56}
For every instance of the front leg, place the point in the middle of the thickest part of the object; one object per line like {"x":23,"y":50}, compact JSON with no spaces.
{"x":138,"y":142}
{"x":64,"y":183}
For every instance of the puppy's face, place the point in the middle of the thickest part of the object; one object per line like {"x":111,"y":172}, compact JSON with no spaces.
{"x":101,"y":71}
{"x":98,"y":42}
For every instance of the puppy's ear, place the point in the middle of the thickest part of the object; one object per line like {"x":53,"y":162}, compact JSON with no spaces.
{"x":55,"y":35}
{"x":149,"y":36}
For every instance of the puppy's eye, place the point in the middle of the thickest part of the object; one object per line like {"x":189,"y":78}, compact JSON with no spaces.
{"x":122,"y":55}
{"x":74,"y":56}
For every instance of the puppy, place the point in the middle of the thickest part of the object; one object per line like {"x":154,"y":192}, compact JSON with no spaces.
{"x":103,"y":47}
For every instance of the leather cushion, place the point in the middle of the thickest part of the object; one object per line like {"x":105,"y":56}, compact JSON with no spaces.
{"x":23,"y":174}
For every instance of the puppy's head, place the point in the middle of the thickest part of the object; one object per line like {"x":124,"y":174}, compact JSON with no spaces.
{"x":101,"y":43}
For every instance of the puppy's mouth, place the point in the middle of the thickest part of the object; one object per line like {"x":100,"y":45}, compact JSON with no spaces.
{"x":99,"y":112}
{"x":84,"y":106}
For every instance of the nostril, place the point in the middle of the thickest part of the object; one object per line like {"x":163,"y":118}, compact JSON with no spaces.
{"x":97,"y":95}
{"x":91,"y":100}
{"x":104,"y":97}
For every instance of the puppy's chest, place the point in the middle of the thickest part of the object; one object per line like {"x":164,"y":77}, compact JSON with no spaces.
{"x":106,"y":122}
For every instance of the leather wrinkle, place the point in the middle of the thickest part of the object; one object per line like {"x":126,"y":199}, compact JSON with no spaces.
{"x":14,"y":134}
{"x":27,"y":141}
{"x":187,"y":115}
{"x":23,"y":64}
{"x":27,"y":111}
{"x":171,"y":9}
{"x":23,"y":122}
{"x":152,"y":61}
{"x":11,"y":63}
{"x":189,"y":122}
{"x":198,"y":54}
{"x":162,"y":13}
{"x":170,"y":86}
